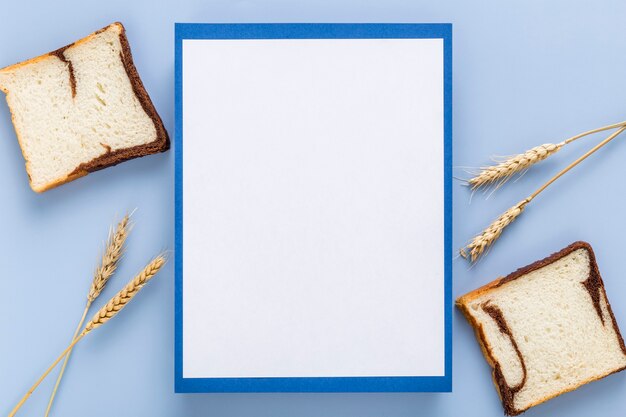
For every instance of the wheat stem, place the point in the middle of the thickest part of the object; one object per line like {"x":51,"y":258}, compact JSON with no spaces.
{"x":45,"y":374}
{"x":576,"y":162}
{"x":67,"y":358}
{"x":481,"y":242}
{"x":591,"y":132}
{"x":106,"y":313}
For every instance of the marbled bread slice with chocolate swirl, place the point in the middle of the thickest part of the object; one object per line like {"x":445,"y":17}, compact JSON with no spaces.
{"x":547,"y":328}
{"x":81,"y":108}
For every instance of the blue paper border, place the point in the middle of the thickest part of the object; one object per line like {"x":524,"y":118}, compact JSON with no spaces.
{"x":314,"y":31}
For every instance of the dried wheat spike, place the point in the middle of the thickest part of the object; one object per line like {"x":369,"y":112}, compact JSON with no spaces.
{"x":480,"y":243}
{"x":110,"y":310}
{"x":122,"y":298}
{"x":110,"y":259}
{"x":503,"y":171}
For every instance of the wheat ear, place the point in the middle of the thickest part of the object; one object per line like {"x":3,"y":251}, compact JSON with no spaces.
{"x":500,"y":173}
{"x":503,"y":171}
{"x":110,"y":258}
{"x":106,"y":313}
{"x":113,"y":252}
{"x":483,"y":241}
{"x":122,"y":298}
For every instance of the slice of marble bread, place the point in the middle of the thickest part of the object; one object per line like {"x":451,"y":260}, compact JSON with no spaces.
{"x":547,"y":328}
{"x":81,"y":108}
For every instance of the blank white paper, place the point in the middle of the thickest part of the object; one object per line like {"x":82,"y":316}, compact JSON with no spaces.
{"x":313,"y":208}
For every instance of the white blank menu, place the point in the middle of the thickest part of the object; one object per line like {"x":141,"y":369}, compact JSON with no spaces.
{"x":313,"y":208}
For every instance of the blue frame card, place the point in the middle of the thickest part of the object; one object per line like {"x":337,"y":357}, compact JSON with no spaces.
{"x":308,"y":256}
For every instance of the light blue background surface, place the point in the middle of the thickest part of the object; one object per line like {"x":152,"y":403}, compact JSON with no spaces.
{"x":524,"y":74}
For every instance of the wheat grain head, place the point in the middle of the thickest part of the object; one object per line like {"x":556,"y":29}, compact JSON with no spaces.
{"x":503,"y":171}
{"x":481,"y":242}
{"x":122,"y":298}
{"x":110,"y":259}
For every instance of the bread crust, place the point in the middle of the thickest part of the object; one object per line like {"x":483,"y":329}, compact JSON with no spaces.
{"x":595,"y":284}
{"x":109,"y":158}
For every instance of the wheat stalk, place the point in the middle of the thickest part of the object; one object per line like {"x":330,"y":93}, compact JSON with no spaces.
{"x":113,"y":252}
{"x":106,"y":313}
{"x":483,"y":241}
{"x":500,"y":173}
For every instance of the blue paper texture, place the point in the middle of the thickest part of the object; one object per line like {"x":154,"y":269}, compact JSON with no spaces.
{"x":313,"y":31}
